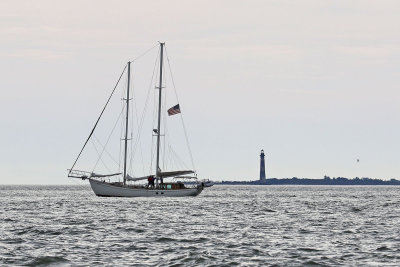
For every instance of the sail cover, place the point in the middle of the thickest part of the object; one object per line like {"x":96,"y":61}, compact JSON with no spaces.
{"x":130,"y":178}
{"x":159,"y":174}
{"x":103,"y":175}
{"x":173,"y":173}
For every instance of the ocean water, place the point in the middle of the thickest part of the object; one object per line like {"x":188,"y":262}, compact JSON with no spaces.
{"x":224,"y":226}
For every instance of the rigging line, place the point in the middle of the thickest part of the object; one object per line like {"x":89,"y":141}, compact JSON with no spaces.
{"x":168,"y":161}
{"x":153,"y":146}
{"x":164,"y":108}
{"x":176,"y":160}
{"x":143,"y":54}
{"x":97,"y":151}
{"x":109,"y":137}
{"x":131,"y":119}
{"x":121,"y":136}
{"x":132,"y":152}
{"x":120,"y":147}
{"x":172,"y":77}
{"x":108,"y":153}
{"x":132,"y":85}
{"x":137,"y":123}
{"x":171,"y":159}
{"x":152,"y":137}
{"x":183,"y":122}
{"x":179,"y":160}
{"x":151,"y":87}
{"x":187,"y":143}
{"x":131,"y":135}
{"x":95,"y":125}
{"x":155,"y":99}
{"x":139,"y":131}
{"x":151,"y":154}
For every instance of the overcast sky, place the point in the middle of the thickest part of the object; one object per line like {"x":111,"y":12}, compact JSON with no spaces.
{"x":313,"y":83}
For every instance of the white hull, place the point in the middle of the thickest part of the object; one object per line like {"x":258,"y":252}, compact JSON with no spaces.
{"x":108,"y":190}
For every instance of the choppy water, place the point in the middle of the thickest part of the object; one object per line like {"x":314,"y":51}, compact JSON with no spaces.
{"x":224,"y":226}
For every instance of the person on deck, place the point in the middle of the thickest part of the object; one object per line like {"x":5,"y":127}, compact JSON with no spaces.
{"x":151,"y":181}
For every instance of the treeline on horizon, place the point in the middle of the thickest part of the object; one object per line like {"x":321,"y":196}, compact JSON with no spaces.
{"x":325,"y":181}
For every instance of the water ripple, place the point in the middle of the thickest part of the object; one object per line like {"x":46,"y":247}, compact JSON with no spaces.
{"x":224,"y":226}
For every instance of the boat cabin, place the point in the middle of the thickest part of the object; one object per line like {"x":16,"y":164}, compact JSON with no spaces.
{"x":178,"y":185}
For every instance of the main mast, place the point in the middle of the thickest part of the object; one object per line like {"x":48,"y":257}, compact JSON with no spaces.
{"x":159,"y":110}
{"x":127,"y":120}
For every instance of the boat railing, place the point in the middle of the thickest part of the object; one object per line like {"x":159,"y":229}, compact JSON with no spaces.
{"x":79,"y":174}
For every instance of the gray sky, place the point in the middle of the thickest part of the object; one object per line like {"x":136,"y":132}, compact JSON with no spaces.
{"x":313,"y":83}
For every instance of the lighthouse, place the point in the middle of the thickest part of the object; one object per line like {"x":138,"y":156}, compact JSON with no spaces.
{"x":262,"y":166}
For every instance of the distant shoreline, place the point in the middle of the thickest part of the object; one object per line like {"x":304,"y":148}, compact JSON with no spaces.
{"x":306,"y":181}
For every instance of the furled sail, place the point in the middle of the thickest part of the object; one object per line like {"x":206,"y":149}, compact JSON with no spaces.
{"x":185,"y":177}
{"x":130,"y":178}
{"x":173,"y":173}
{"x":95,"y":175}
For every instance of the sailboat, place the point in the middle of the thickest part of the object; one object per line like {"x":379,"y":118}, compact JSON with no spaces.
{"x":161,"y":183}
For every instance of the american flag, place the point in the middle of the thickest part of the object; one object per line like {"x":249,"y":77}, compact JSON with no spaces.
{"x":174,"y":110}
